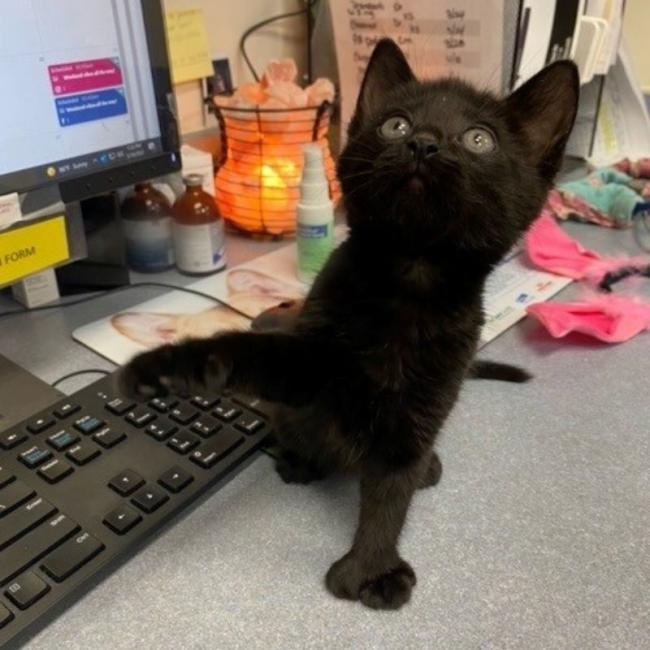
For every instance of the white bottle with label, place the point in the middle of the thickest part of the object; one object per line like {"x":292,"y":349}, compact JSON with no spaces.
{"x":314,"y":216}
{"x":198,"y":230}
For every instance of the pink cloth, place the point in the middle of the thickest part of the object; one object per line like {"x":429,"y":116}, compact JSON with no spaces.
{"x":551,"y":249}
{"x":612,"y":319}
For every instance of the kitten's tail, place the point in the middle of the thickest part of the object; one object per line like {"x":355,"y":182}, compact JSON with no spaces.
{"x":500,"y":371}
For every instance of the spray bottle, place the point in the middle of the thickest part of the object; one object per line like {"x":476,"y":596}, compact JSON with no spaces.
{"x":314,"y":216}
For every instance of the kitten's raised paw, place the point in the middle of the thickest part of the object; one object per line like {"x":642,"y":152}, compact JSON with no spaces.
{"x":388,"y":588}
{"x":148,"y":375}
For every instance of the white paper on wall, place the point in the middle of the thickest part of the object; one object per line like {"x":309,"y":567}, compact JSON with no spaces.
{"x":462,"y":38}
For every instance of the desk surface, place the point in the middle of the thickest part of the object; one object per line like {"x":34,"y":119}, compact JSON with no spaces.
{"x":537,"y":537}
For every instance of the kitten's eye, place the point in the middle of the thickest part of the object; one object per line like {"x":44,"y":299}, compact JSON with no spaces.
{"x":395,"y":128}
{"x":478,"y":140}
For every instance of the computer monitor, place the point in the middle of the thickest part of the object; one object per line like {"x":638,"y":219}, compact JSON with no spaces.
{"x":86,"y":96}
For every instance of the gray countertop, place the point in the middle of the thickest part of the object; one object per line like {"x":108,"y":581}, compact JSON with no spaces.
{"x":537,"y":537}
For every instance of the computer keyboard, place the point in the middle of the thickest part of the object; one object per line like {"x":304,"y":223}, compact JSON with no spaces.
{"x":85,"y":482}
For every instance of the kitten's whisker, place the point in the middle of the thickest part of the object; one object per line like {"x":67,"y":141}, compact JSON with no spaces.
{"x":348,"y":177}
{"x":357,"y":159}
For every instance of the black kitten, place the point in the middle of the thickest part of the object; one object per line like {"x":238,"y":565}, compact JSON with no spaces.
{"x":439,"y":181}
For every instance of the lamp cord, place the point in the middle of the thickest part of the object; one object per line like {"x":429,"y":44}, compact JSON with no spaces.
{"x":263,"y":23}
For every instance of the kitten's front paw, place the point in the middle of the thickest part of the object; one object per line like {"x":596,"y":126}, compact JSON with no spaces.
{"x":149,"y":374}
{"x":385,"y":588}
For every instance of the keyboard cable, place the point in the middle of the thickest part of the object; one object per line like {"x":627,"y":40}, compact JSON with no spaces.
{"x":159,"y":285}
{"x":77,"y":373}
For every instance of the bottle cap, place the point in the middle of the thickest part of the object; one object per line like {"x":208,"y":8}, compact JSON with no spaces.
{"x":193,"y":180}
{"x":314,"y":188}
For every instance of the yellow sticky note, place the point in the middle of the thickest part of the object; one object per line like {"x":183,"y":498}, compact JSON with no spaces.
{"x":187,"y":39}
{"x":30,"y":249}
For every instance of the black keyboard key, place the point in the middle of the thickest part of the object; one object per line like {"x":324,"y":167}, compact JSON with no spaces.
{"x":183,"y":414}
{"x":55,"y":470}
{"x":149,"y":498}
{"x":175,"y":479}
{"x":249,"y":424}
{"x":13,"y":495}
{"x":163,"y":404}
{"x":122,"y":519}
{"x":140,"y":417}
{"x":88,"y":424}
{"x":206,"y":427}
{"x":119,"y":406}
{"x":108,"y":437}
{"x":5,"y":616}
{"x":183,"y":442}
{"x":204,"y":403}
{"x":34,"y":456}
{"x":5,"y":476}
{"x":255,"y":404}
{"x":9,"y":439}
{"x":161,"y":430}
{"x":71,"y":556}
{"x":126,"y":482}
{"x":35,"y":545}
{"x":209,"y":454}
{"x":226,"y":412}
{"x":83,"y":453}
{"x":64,"y":410}
{"x":63,"y":439}
{"x":26,"y":590}
{"x":40,"y":424}
{"x":24,"y":519}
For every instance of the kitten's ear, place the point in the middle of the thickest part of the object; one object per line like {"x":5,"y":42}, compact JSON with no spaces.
{"x":544,"y":109}
{"x":386,"y":69}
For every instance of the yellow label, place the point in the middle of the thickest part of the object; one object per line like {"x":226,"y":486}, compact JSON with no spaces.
{"x":187,"y":39}
{"x":31,"y":249}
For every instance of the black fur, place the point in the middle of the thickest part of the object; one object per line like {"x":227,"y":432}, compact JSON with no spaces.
{"x":372,"y":366}
{"x":284,"y":317}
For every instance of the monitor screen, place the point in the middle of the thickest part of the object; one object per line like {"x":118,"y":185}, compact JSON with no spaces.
{"x":82,"y":89}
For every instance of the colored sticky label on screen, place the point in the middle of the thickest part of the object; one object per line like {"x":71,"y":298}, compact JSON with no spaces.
{"x":89,"y":107}
{"x":84,"y":76}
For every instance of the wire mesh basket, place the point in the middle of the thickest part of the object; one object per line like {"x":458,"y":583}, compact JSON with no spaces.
{"x":257,"y":183}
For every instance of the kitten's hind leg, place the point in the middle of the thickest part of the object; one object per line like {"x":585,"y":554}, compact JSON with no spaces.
{"x":295,"y":469}
{"x":432,"y":473}
{"x":301,"y":458}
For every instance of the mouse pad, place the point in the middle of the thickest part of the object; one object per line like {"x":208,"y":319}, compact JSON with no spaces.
{"x":249,"y":289}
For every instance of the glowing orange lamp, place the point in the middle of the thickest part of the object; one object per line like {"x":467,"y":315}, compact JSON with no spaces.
{"x":257,"y":181}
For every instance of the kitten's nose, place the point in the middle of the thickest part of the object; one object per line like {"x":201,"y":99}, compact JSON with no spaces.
{"x":423,"y":146}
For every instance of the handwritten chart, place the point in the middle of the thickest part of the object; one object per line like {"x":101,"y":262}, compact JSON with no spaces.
{"x":440,"y":38}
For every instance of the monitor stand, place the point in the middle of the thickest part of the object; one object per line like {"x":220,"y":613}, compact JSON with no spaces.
{"x":94,"y":239}
{"x":105,"y":264}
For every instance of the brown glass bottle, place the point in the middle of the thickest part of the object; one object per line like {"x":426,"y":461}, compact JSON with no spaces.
{"x":198,"y":230}
{"x":146,"y":218}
